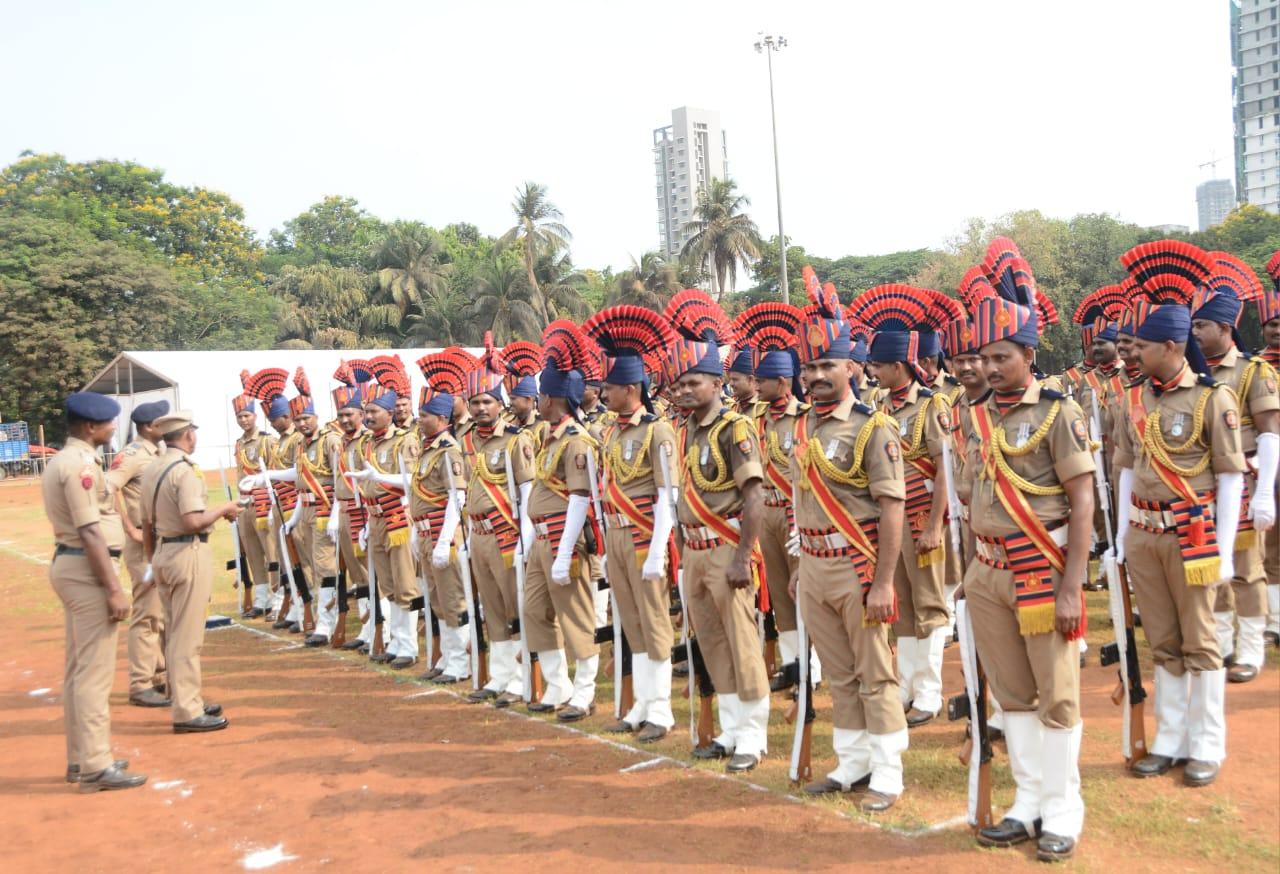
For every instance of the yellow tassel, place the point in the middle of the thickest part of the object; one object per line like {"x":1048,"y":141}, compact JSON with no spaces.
{"x":357,"y":551}
{"x":260,"y":524}
{"x":1202,"y":572}
{"x":1036,"y":620}
{"x":641,"y":555}
{"x":1246,"y":539}
{"x":397,"y":538}
{"x":933,"y":556}
{"x":322,"y":522}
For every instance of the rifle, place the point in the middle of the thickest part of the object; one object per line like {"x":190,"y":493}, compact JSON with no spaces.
{"x":292,"y":565}
{"x":954,"y":507}
{"x":801,"y":745}
{"x":479,"y":669}
{"x":770,"y":643}
{"x":237,"y":561}
{"x":1133,"y":738}
{"x":532,"y":677}
{"x":976,"y":752}
{"x":417,"y":563}
{"x":623,"y":696}
{"x":696,"y":734}
{"x":339,"y":636}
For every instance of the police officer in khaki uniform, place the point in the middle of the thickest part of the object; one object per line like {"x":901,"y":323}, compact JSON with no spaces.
{"x":846,"y":471}
{"x":1181,"y":486}
{"x":176,"y":530}
{"x":146,"y":622}
{"x":1028,"y":476}
{"x":89,"y":537}
{"x":1268,"y":304}
{"x":1215,"y":314}
{"x":349,"y":516}
{"x":720,"y":513}
{"x":252,"y":449}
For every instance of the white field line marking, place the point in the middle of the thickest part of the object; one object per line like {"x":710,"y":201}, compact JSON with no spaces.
{"x":640,"y":766}
{"x":595,"y":738}
{"x":32,"y":558}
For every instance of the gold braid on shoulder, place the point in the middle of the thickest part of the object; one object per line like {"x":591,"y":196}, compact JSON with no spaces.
{"x":1000,"y":450}
{"x":1153,"y":440}
{"x":723,"y":480}
{"x":622,"y":471}
{"x":497,"y":478}
{"x":855,"y":476}
{"x":545,"y":469}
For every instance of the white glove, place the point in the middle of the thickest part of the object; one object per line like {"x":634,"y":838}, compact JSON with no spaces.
{"x":1226,"y":568}
{"x":334,"y":526}
{"x":440,"y":555}
{"x":292,"y":521}
{"x":793,"y":542}
{"x":414,"y":539}
{"x":1227,"y":520}
{"x":526,"y":524}
{"x":148,"y":575}
{"x":1262,"y":506}
{"x":655,"y":564}
{"x":360,"y":473}
{"x":253,"y":481}
{"x":363,"y":539}
{"x":1124,"y":498}
{"x":452,"y":517}
{"x":575,"y":517}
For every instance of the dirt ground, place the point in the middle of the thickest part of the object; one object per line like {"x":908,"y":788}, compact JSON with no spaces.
{"x":330,"y":764}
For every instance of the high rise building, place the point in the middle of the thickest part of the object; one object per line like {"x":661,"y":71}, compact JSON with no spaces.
{"x":1255,"y":51}
{"x":687,"y":154}
{"x":1214,"y":199}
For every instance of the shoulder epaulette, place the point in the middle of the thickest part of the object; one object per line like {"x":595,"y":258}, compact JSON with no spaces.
{"x":263,"y":434}
{"x":802,"y":407}
{"x":1052,"y":394}
{"x":860,"y":407}
{"x":731,"y":415}
{"x":926,"y":392}
{"x":1205,"y":379}
{"x":647,"y":417}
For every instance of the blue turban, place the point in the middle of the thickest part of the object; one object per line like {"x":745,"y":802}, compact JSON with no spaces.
{"x":440,"y":404}
{"x":1222,"y":307}
{"x":626,"y":370}
{"x":888,"y":347}
{"x":527,"y":387}
{"x":930,"y":345}
{"x":279,"y":406}
{"x":859,"y":351}
{"x":561,"y":384}
{"x":742,"y":363}
{"x":1111,"y":333}
{"x":777,"y":364}
{"x":91,"y":406}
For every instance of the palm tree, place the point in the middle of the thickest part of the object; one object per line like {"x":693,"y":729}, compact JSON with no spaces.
{"x":650,"y":282}
{"x":540,"y":230}
{"x":722,"y":234}
{"x":500,"y":303}
{"x":323,"y":307}
{"x":410,"y":274}
{"x":561,"y":287}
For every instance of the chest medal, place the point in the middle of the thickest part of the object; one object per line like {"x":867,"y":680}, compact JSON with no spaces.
{"x":706,"y":454}
{"x":1179,"y":421}
{"x":1024,"y":434}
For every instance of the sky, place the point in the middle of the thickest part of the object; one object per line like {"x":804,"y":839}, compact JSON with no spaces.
{"x":897,"y":121}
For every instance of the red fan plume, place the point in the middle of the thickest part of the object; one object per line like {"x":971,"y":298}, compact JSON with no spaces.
{"x":772,"y":338}
{"x":755,"y":319}
{"x":301,"y":383}
{"x":696,"y":316}
{"x":491,"y":357}
{"x":1273,"y":267}
{"x":343,"y":374}
{"x":444,"y":371}
{"x":464,"y":356}
{"x":522,"y":358}
{"x":1095,"y":304}
{"x":1231,"y":272}
{"x":1001,"y":253}
{"x":267,"y":384}
{"x":946,"y":309}
{"x":1165,"y":269}
{"x":897,"y":307}
{"x":631,"y":328}
{"x":1046,"y":312}
{"x":244,"y":378}
{"x":389,"y":371}
{"x":824,"y":297}
{"x":974,"y":286}
{"x":567,"y":348}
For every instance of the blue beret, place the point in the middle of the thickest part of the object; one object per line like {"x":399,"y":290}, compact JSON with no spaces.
{"x":527,"y":387}
{"x":92,"y":406}
{"x":144,"y":413}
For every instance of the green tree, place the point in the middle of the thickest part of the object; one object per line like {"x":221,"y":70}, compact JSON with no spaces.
{"x":500,"y":303}
{"x":335,"y":231}
{"x":540,"y":230}
{"x":324,"y":307}
{"x":649,"y":282}
{"x":561,"y":286}
{"x":722,"y":234}
{"x":410,"y":275}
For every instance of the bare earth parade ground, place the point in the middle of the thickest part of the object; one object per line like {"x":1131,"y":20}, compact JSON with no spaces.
{"x":330,"y":764}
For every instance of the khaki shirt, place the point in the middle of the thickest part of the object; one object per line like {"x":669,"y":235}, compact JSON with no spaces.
{"x":284,"y":452}
{"x":837,"y":436}
{"x":350,"y":457}
{"x":125,"y":476}
{"x":920,"y":402}
{"x":566,"y":461}
{"x":182,"y":492}
{"x":77,"y":493}
{"x":1219,"y":436}
{"x":252,"y":453}
{"x":962,"y":416}
{"x":778,"y":438}
{"x":1260,"y":395}
{"x":738,"y":450}
{"x":385,"y":454}
{"x":318,"y":455}
{"x":636,"y":468}
{"x":439,"y":465}
{"x":1060,"y":455}
{"x":490,"y":461}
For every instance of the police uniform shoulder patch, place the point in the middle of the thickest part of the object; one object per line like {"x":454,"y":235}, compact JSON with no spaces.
{"x":1231,"y":420}
{"x":1077,"y":428}
{"x":580,"y":461}
{"x":526,"y":450}
{"x":648,"y":417}
{"x":892,"y":450}
{"x":944,"y":421}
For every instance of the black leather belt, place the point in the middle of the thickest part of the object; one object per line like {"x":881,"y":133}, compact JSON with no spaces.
{"x":60,"y":549}
{"x":186,"y":538}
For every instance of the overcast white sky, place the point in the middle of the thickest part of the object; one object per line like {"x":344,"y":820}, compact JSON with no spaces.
{"x":898,"y":120}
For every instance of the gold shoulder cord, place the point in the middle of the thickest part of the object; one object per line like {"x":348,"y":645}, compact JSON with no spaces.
{"x":498,"y":478}
{"x":619,"y":469}
{"x":1000,"y":448}
{"x":1251,"y":370}
{"x":722,"y":481}
{"x":855,"y":476}
{"x":546,"y":471}
{"x":1153,"y":441}
{"x":917,"y":449}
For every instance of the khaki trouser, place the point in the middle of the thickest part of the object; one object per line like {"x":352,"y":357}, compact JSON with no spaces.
{"x":1177,"y":619}
{"x":272,"y":535}
{"x":1038,"y":672}
{"x":496,"y":585}
{"x":258,"y":545}
{"x":444,"y":585}
{"x":642,"y":604}
{"x":318,"y":553}
{"x":89,"y":664}
{"x":357,"y":575}
{"x":779,"y":565}
{"x":146,"y":625}
{"x":856,"y":661}
{"x":556,"y":613}
{"x":724,"y":619}
{"x":184,"y":577}
{"x":1247,"y":594}
{"x":392,"y":565}
{"x":922,"y":605}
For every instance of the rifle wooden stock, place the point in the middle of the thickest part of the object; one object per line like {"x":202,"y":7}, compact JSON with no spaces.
{"x":1135,"y":693}
{"x":985,"y":817}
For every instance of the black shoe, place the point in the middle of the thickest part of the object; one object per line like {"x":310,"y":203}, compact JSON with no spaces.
{"x":1271,"y":639}
{"x":651,"y":733}
{"x":576,"y":714}
{"x":781,"y":682}
{"x":295,"y":627}
{"x":402,"y":662}
{"x":539,"y":707}
{"x":1055,"y":848}
{"x":446,"y":679}
{"x":918,"y":717}
{"x":1154,"y":765}
{"x":742,"y":762}
{"x":200,"y":723}
{"x":257,"y":613}
{"x":1198,"y":773}
{"x":713,"y":750}
{"x":148,"y":698}
{"x":281,"y":623}
{"x":73,"y":771}
{"x":680,"y":670}
{"x":1241,"y":673}
{"x":354,"y":643}
{"x":481,"y":695}
{"x":212,"y":709}
{"x":1229,"y":661}
{"x":382,"y":658}
{"x":505,"y":700}
{"x":994,"y":735}
{"x":430,"y":674}
{"x":111,"y":778}
{"x":825,"y":786}
{"x":1006,"y":833}
{"x":316,"y":640}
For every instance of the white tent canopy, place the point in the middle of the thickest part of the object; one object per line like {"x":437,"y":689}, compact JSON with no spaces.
{"x":205,"y":383}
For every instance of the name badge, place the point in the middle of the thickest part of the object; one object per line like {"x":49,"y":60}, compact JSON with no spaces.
{"x":1179,"y":421}
{"x":902,"y":428}
{"x":382,"y":457}
{"x":832,"y":447}
{"x":1024,"y":434}
{"x":706,"y":453}
{"x":628,"y":449}
{"x":786,"y":442}
{"x":495,"y":458}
